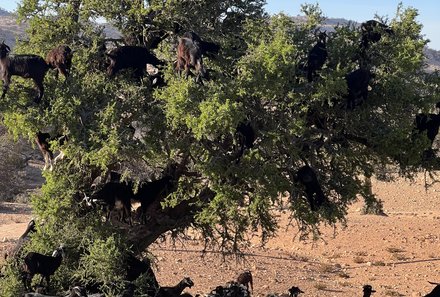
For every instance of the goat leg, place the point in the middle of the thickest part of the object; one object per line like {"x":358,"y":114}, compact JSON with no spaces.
{"x":59,"y":157}
{"x":47,"y":280}
{"x":40,"y":87}
{"x":6,"y":82}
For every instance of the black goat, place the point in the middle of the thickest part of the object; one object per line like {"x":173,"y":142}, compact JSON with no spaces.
{"x":372,"y":32}
{"x":246,"y":138}
{"x":26,"y":66}
{"x":368,"y":290}
{"x":134,"y":57}
{"x":357,"y":85}
{"x":189,"y":55}
{"x":151,"y":193}
{"x":114,"y":196}
{"x":60,"y":58}
{"x":429,"y":123}
{"x":294,"y":291}
{"x":42,"y":140}
{"x":13,"y":253}
{"x":136,"y":267}
{"x":232,"y":289}
{"x":245,"y":278}
{"x":36,"y":263}
{"x":435,"y":292}
{"x":176,"y":290}
{"x":307,"y":177}
{"x":208,"y":49}
{"x":317,"y":56}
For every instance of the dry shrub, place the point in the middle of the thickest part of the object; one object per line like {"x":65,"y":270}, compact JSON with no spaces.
{"x":320,"y":286}
{"x":394,"y":250}
{"x":358,"y":260}
{"x":378,"y":263}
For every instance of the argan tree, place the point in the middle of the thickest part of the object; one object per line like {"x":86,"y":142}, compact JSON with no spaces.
{"x":225,"y":183}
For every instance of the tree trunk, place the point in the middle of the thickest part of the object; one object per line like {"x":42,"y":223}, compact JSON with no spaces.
{"x":167,"y":219}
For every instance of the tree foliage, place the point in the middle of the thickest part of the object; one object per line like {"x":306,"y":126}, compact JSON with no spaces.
{"x":257,"y":78}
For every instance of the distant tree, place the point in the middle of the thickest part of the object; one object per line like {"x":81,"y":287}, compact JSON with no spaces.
{"x":228,"y":183}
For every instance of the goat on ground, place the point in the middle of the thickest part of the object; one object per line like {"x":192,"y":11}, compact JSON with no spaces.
{"x":36,"y":263}
{"x":114,"y":196}
{"x":26,"y":66}
{"x":372,"y":32}
{"x":307,"y":177}
{"x":294,"y":291}
{"x":176,"y":290}
{"x":42,"y":140}
{"x":189,"y":55}
{"x":245,"y":278}
{"x":60,"y":58}
{"x":368,"y":290}
{"x":317,"y":56}
{"x":231,"y":289}
{"x":134,"y":57}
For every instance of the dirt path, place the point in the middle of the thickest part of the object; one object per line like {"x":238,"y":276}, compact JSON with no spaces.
{"x":397,"y":254}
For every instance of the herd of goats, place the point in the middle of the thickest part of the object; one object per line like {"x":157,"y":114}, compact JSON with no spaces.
{"x":36,"y":263}
{"x":117,"y":195}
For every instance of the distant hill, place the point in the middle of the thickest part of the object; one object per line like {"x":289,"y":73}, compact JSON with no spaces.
{"x":4,"y":12}
{"x":10,"y":31}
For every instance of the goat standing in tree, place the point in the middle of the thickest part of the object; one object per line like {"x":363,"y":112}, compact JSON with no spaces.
{"x":36,"y":263}
{"x":189,"y":55}
{"x":26,"y":66}
{"x":307,"y":177}
{"x":60,"y":58}
{"x":317,"y":56}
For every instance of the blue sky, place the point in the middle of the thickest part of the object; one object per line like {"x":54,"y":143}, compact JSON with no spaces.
{"x":356,"y":10}
{"x":362,"y":10}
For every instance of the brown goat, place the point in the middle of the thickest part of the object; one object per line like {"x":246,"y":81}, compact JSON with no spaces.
{"x":245,"y":278}
{"x":189,"y":55}
{"x":42,"y":140}
{"x":60,"y":58}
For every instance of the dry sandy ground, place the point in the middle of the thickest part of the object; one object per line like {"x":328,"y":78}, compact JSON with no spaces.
{"x":397,"y":254}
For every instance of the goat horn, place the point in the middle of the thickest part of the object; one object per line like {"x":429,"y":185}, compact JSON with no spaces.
{"x":432,"y":283}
